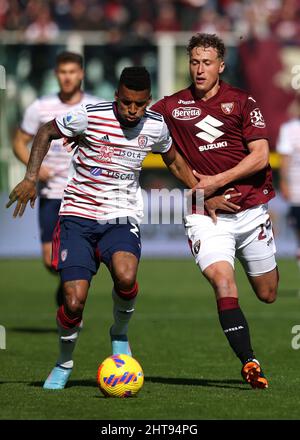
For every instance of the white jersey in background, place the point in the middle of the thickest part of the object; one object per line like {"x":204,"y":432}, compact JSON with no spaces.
{"x":104,"y":173}
{"x":58,"y":160}
{"x":289,"y":144}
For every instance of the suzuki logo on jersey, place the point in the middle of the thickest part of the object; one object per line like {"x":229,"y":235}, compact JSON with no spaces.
{"x":210,"y":133}
{"x":186,"y":113}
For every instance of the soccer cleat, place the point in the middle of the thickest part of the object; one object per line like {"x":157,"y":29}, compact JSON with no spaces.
{"x":120,"y":344}
{"x":58,"y":378}
{"x":252,"y":374}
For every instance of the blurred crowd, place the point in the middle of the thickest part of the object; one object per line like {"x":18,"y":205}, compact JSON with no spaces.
{"x":43,"y":20}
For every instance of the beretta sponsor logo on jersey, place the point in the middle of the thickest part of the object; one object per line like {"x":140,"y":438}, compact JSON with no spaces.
{"x":186,"y":113}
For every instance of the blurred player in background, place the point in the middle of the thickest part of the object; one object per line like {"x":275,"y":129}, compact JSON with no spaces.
{"x":288,"y":146}
{"x":102,"y":204}
{"x":53,"y":173}
{"x":221,"y":133}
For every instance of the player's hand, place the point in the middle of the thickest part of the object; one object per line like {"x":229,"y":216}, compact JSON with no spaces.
{"x":70,"y":143}
{"x":45,"y":173}
{"x":208,"y":184}
{"x":222,"y":202}
{"x":22,"y":193}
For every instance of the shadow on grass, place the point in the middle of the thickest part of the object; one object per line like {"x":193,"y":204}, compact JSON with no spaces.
{"x":215,"y":383}
{"x":33,"y":330}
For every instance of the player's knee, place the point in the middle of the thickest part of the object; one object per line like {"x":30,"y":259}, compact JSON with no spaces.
{"x":74,"y":307}
{"x":223,"y":285}
{"x":125,"y":279}
{"x":267,"y":294}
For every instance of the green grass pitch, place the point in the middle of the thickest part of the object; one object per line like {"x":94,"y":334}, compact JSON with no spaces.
{"x":190,"y":371}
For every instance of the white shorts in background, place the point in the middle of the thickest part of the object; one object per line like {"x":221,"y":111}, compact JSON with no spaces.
{"x":246,"y":235}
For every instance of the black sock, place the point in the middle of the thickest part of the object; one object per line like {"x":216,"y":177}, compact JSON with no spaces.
{"x":235,"y":328}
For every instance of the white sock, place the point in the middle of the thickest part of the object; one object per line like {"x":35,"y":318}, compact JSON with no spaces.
{"x":122,"y":311}
{"x":67,"y":342}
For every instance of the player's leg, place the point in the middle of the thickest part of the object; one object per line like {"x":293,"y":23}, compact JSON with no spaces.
{"x":256,"y":252}
{"x":48,"y":217}
{"x":294,"y":216}
{"x":124,"y":267}
{"x":213,"y":247}
{"x":233,"y":322}
{"x":120,"y":249}
{"x":73,"y":257}
{"x":69,"y":323}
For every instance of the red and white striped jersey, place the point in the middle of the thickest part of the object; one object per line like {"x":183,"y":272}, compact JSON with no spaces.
{"x":58,"y":160}
{"x":104,"y":173}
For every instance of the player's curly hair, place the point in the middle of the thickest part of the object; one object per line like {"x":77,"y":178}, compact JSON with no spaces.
{"x":135,"y":78}
{"x":207,"y":40}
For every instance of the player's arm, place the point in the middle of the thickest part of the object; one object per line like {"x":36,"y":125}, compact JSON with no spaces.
{"x":20,"y":146}
{"x":256,"y":160}
{"x":21,"y":151}
{"x":178,"y":166}
{"x":283,"y":175}
{"x":26,"y":189}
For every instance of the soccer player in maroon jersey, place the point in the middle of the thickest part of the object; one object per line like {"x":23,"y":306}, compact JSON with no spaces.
{"x":221,"y":133}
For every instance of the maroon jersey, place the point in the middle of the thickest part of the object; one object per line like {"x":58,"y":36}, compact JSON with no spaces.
{"x":213,"y":135}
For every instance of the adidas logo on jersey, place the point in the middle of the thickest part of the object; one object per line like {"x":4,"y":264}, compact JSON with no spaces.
{"x":105,"y":138}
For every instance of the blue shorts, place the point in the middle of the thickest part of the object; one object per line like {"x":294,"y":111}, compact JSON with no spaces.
{"x":79,"y":245}
{"x":48,"y":217}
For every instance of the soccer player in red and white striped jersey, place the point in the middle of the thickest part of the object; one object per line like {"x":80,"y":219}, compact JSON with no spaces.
{"x":102,"y":205}
{"x":53,"y":174}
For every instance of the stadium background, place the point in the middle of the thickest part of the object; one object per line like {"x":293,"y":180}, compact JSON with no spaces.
{"x":263,"y":56}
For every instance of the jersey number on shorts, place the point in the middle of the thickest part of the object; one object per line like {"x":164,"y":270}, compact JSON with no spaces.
{"x":263,"y":229}
{"x":135,"y":230}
